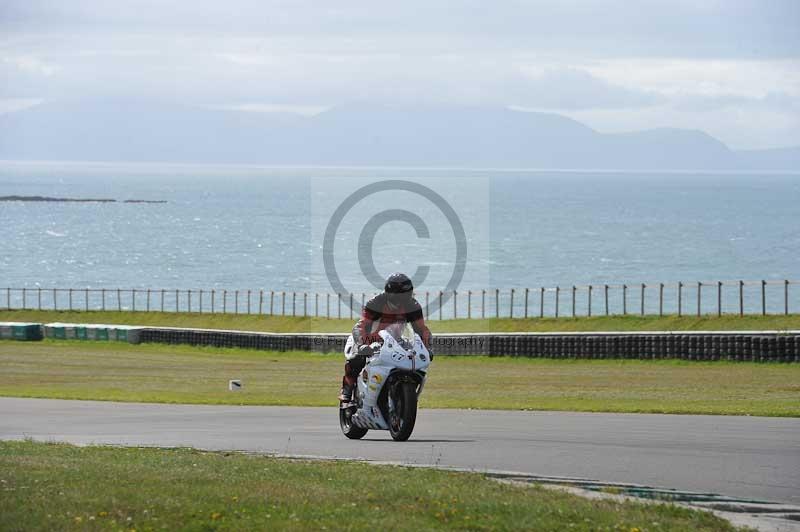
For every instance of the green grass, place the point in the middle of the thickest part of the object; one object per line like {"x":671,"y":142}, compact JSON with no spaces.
{"x":61,"y":487}
{"x":183,"y":374}
{"x":310,"y":324}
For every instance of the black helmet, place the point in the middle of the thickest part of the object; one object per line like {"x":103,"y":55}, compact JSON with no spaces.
{"x":398,"y":283}
{"x":399,"y":289}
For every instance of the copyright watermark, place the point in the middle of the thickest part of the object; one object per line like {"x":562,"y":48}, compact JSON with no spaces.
{"x":392,"y":225}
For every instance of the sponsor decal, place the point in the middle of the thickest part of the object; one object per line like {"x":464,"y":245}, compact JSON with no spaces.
{"x":377,"y":378}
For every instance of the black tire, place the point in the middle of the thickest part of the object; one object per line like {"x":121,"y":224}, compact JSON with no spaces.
{"x":348,"y":429}
{"x":401,"y":421}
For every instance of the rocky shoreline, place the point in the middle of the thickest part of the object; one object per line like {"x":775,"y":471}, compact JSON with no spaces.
{"x":74,"y":200}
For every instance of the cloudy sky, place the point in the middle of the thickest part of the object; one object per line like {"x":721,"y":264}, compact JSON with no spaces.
{"x":728,"y":67}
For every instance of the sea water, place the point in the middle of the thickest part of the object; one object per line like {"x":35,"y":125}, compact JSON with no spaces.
{"x":235,"y":227}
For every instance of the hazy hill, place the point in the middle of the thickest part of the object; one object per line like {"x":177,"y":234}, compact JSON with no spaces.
{"x":130,"y":130}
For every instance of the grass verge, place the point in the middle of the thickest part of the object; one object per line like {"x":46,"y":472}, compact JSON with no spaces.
{"x":309,"y":324}
{"x":62,"y":487}
{"x":66,"y":369}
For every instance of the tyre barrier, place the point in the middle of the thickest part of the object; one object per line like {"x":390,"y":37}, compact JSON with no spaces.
{"x":322,"y":343}
{"x":744,"y":346}
{"x":20,"y":331}
{"x":766,"y":346}
{"x":89,"y":331}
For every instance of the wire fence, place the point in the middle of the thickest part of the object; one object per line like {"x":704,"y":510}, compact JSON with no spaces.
{"x":695,"y":298}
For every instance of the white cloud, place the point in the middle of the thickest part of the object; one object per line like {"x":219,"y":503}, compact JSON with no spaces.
{"x":31,"y":65}
{"x":730,"y":68}
{"x":10,"y":105}
{"x":702,"y":76}
{"x":304,"y":110}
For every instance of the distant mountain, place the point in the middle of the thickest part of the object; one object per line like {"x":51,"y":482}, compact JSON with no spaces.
{"x":130,"y":130}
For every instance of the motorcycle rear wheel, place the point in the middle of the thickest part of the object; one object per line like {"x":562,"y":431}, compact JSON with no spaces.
{"x":348,"y":429}
{"x":404,"y":414}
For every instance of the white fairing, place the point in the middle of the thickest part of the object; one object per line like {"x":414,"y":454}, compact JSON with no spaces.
{"x":404,"y":354}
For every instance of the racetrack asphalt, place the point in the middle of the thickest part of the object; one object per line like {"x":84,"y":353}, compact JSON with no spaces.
{"x":745,"y":457}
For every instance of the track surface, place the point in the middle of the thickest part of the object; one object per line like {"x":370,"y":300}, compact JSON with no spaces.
{"x":746,"y":457}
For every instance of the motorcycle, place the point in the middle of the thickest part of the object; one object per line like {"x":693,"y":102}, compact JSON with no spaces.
{"x":389,"y":386}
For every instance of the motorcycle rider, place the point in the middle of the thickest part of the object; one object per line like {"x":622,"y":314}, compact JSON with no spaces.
{"x":396,"y":303}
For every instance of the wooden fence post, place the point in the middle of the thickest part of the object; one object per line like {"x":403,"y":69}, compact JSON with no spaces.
{"x":225,"y":301}
{"x":680,"y":298}
{"x":133,"y":300}
{"x":55,"y":299}
{"x":147,"y":302}
{"x":719,"y":298}
{"x":511,"y":305}
{"x":786,"y":296}
{"x":177,"y":300}
{"x":573,"y":300}
{"x":496,"y":302}
{"x":351,"y":305}
{"x":316,"y":304}
{"x":39,"y":297}
{"x":558,"y":291}
{"x":605,"y":290}
{"x":70,"y":299}
{"x":201,"y":301}
{"x":103,"y":296}
{"x":624,"y":300}
{"x":305,"y":303}
{"x":24,"y":298}
{"x":213,"y":294}
{"x":526,"y":302}
{"x":236,"y":302}
{"x":699,"y":296}
{"x":469,"y":304}
{"x":541,"y":301}
{"x":741,"y":297}
{"x":162,"y":299}
{"x":283,"y":302}
{"x":642,"y":299}
{"x":340,"y":304}
{"x":763,"y":298}
{"x":294,"y":301}
{"x":483,"y":303}
{"x":589,"y":305}
{"x":248,"y":302}
{"x":660,"y":299}
{"x":455,"y":305}
{"x":261,"y":302}
{"x":328,"y":305}
{"x":119,"y":300}
{"x":440,"y":305}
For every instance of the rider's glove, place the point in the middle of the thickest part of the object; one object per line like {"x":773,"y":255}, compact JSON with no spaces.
{"x":366,"y":351}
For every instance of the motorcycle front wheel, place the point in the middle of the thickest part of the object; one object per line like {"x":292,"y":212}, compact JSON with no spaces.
{"x":345,"y":422}
{"x":403,"y":413}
